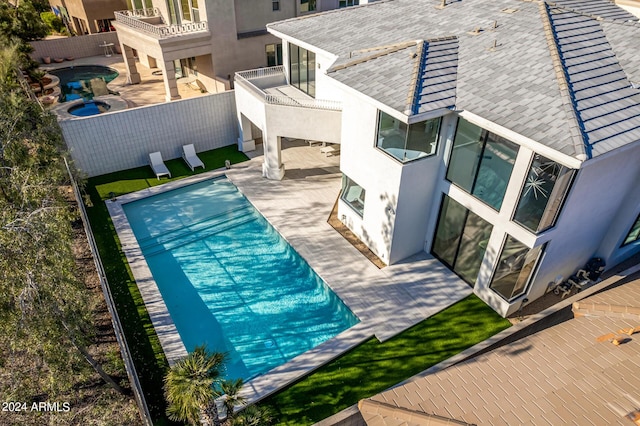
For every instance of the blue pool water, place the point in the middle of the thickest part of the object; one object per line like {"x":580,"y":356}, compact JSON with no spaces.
{"x":78,"y":82}
{"x":230,"y":281}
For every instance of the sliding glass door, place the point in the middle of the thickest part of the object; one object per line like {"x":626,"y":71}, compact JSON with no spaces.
{"x":302,"y":66}
{"x":461,"y":239}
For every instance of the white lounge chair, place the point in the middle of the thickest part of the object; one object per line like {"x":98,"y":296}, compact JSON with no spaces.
{"x":190,"y":157}
{"x":156,"y":163}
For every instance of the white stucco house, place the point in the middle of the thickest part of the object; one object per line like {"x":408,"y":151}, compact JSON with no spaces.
{"x":502,"y":137}
{"x":206,"y":40}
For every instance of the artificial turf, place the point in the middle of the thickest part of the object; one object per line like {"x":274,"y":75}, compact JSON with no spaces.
{"x":362,"y":372}
{"x":373,"y":366}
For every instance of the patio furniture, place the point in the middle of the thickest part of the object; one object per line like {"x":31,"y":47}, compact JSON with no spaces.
{"x":156,"y":163}
{"x":330,"y":150}
{"x":190,"y":157}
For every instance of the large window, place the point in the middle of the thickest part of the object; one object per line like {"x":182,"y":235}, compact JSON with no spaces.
{"x":302,"y":69}
{"x":407,"y":142}
{"x":542,"y":195}
{"x":634,"y":234}
{"x":353,"y":194}
{"x":461,"y":239}
{"x":481,"y":163}
{"x":307,"y":5}
{"x":515,"y":268}
{"x":274,"y":54}
{"x":346,"y":3}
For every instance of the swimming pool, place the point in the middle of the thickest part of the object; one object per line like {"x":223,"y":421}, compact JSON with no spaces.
{"x":84,"y":81}
{"x":229,"y":280}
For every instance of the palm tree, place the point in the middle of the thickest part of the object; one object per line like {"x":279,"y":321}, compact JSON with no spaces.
{"x":253,"y":415}
{"x":231,"y":389}
{"x":190,"y":387}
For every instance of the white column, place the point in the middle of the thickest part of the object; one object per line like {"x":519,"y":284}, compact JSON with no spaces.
{"x":169,"y":77}
{"x":272,"y":168}
{"x":130,"y":63}
{"x":246,"y":142}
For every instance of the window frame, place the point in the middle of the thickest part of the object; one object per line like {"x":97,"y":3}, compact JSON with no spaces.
{"x":532,"y":275}
{"x":561,"y":204}
{"x":484,"y":139}
{"x":436,"y":142}
{"x":635,"y":226}
{"x":343,"y":192}
{"x":275,"y":5}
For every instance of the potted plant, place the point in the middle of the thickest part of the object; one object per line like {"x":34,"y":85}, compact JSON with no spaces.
{"x":46,"y":59}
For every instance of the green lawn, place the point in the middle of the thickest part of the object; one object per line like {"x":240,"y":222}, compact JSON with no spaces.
{"x":364,"y":371}
{"x":373,"y":366}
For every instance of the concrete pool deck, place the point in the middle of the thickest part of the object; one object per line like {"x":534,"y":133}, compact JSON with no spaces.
{"x":387,"y":301}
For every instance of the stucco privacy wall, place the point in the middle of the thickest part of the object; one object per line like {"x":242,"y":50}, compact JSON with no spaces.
{"x":78,"y":47}
{"x":123,"y":140}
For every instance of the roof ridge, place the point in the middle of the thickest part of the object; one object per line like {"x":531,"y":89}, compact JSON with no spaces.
{"x":576,"y":135}
{"x":418,"y":68}
{"x":388,"y":50}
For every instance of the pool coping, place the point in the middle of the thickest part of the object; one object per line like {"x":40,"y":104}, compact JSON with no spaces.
{"x":260,"y":386}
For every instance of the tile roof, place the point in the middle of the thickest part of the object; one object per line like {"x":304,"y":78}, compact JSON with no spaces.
{"x":561,"y":375}
{"x":515,"y":64}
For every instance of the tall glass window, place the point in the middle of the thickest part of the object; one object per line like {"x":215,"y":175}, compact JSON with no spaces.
{"x":515,"y":268}
{"x":634,"y":233}
{"x":481,"y":163}
{"x":461,"y":239}
{"x":303,"y":69}
{"x":353,"y":194}
{"x":274,"y":54}
{"x":542,"y":195}
{"x":407,"y":142}
{"x":307,"y":5}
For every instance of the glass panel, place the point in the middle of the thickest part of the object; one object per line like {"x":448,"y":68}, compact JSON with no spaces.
{"x":270,"y":50}
{"x":196,"y":15}
{"x":311,"y":76}
{"x":173,"y":12}
{"x":303,"y":69}
{"x":294,"y":63}
{"x":495,"y":170}
{"x":279,"y":54}
{"x":186,"y":10}
{"x":422,"y":139}
{"x":177,"y":66}
{"x":307,"y":5}
{"x":391,"y":135}
{"x":543,"y":193}
{"x":515,"y":268}
{"x":449,"y":230}
{"x":465,"y":154}
{"x":353,"y":194}
{"x":472,"y":247}
{"x":634,"y":234}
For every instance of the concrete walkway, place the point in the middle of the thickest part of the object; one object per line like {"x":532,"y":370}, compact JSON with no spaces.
{"x":387,"y":301}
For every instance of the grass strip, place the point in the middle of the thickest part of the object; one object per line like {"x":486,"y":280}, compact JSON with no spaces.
{"x":143,"y":342}
{"x":373,"y":366}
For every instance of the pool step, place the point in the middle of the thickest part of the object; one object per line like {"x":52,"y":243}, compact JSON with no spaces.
{"x":197,"y":231}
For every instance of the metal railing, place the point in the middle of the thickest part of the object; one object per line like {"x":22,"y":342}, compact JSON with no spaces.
{"x":115,"y":319}
{"x":245,"y":78}
{"x":134,"y":19}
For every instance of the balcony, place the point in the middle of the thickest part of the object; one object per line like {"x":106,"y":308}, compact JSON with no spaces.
{"x":151,"y":22}
{"x":270,"y":84}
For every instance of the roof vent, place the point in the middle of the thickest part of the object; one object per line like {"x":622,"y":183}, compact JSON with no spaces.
{"x":509,"y":10}
{"x":442,"y":4}
{"x":476,"y":31}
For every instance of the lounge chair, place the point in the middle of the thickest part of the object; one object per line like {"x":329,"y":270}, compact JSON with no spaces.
{"x":156,"y":163}
{"x":190,"y":157}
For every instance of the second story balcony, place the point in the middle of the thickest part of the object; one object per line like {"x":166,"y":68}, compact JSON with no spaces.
{"x":152,"y":23}
{"x":270,"y":84}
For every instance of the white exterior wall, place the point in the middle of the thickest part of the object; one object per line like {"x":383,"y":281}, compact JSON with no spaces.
{"x":602,"y":205}
{"x":122,"y":140}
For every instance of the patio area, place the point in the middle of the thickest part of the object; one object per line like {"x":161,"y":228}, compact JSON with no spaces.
{"x":149,"y":92}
